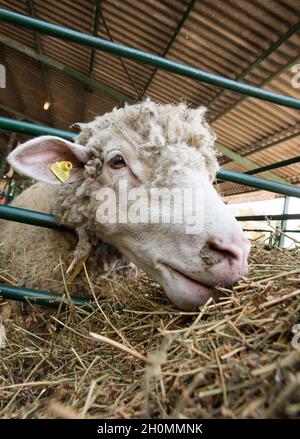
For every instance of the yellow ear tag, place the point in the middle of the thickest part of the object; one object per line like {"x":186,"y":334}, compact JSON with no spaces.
{"x":62,"y":170}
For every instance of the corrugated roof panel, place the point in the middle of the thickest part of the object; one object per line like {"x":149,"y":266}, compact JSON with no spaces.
{"x":99,"y":104}
{"x":28,"y":79}
{"x":76,"y":15}
{"x":136,"y":24}
{"x":18,"y":33}
{"x":68,"y":96}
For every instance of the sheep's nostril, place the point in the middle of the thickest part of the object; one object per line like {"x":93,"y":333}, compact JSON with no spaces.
{"x":228,"y":251}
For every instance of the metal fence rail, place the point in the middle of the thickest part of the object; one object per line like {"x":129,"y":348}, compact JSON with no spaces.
{"x":40,"y":297}
{"x":272,"y":230}
{"x":277,"y":165}
{"x":25,"y":216}
{"x":32,"y":129}
{"x":223,"y":173}
{"x":285,"y":216}
{"x":260,"y":183}
{"x":51,"y":222}
{"x":145,"y":58}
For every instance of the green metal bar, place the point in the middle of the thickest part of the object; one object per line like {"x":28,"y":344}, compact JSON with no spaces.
{"x":41,"y":297}
{"x":271,"y":230}
{"x":245,"y":162}
{"x":260,"y":183}
{"x":90,"y":82}
{"x":290,"y":216}
{"x":8,"y":150}
{"x":227,"y":110}
{"x":173,"y":38}
{"x":281,"y":164}
{"x":260,"y":58}
{"x":19,"y":114}
{"x":251,"y":150}
{"x":33,"y":218}
{"x":223,"y":174}
{"x":147,"y":58}
{"x":33,"y":129}
{"x":28,"y":217}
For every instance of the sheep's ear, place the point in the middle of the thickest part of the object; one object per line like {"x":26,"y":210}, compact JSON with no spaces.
{"x":36,"y":157}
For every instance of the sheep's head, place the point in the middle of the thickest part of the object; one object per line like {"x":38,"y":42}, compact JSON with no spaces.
{"x":142,"y":180}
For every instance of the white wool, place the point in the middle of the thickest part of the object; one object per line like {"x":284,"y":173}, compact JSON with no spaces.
{"x":151,"y":126}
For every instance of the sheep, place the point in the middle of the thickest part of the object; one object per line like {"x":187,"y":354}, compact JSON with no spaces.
{"x":146,"y":145}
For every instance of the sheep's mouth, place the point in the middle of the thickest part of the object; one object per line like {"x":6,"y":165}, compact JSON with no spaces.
{"x":177,"y":273}
{"x":185,"y":291}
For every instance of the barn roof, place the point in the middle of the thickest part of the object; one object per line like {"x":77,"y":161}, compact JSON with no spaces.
{"x":254,"y":41}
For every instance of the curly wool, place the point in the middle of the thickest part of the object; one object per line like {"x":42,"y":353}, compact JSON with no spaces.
{"x":151,"y":126}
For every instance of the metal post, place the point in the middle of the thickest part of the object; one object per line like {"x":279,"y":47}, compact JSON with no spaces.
{"x":9,"y":195}
{"x":284,"y":220}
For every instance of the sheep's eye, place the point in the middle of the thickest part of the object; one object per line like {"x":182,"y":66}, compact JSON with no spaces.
{"x":117,"y":162}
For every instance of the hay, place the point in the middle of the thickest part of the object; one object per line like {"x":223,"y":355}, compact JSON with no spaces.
{"x":138,"y":356}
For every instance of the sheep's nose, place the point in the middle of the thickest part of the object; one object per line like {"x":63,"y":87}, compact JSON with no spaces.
{"x":221,"y":249}
{"x":227,"y":259}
